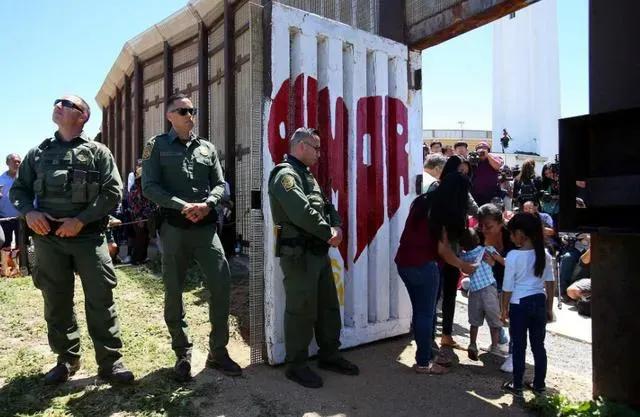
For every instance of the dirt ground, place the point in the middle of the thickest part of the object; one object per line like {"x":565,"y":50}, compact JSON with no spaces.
{"x":387,"y":385}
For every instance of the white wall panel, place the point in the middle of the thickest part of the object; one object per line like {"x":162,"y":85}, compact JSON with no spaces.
{"x":352,"y":85}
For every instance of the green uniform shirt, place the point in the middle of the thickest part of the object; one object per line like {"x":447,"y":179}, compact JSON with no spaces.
{"x":298,"y":204}
{"x":78,"y":178}
{"x":176,"y":173}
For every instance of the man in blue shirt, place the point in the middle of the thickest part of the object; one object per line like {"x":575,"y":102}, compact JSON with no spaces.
{"x":6,"y":207}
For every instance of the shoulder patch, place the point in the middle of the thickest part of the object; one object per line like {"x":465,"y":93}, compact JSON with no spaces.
{"x":288,"y":182}
{"x":148,"y":148}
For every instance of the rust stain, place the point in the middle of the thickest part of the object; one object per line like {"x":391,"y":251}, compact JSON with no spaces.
{"x":461,"y":22}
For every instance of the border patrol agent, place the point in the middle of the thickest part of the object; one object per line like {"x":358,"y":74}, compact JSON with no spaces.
{"x":75,"y":184}
{"x":307,"y":225}
{"x":181,"y":174}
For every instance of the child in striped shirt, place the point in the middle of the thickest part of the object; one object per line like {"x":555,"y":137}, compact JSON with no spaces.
{"x":483,"y":293}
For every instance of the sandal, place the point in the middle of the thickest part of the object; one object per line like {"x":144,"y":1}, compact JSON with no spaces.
{"x":516,"y":392}
{"x":537,"y":391}
{"x":472,"y":351}
{"x":453,"y":345}
{"x":431,"y":369}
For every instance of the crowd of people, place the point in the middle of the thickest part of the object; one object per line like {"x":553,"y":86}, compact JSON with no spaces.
{"x":458,"y":230}
{"x":491,"y":231}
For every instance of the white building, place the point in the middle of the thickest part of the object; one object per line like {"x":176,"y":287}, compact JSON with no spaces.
{"x":526,"y":79}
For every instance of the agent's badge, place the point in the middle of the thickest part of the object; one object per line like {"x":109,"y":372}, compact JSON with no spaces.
{"x":148,"y":148}
{"x":204,"y":151}
{"x":288,"y":182}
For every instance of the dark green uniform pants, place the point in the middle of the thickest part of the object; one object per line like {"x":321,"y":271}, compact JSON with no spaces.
{"x":311,"y":304}
{"x":179,"y":246}
{"x":57,"y":259}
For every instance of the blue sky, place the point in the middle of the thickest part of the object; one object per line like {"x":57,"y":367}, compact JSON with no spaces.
{"x":457,"y":74}
{"x":50,"y":48}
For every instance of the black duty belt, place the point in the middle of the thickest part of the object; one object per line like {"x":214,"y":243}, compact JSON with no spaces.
{"x":313,"y":245}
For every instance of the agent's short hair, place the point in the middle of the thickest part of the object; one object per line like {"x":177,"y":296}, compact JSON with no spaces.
{"x":434,"y":143}
{"x":435,"y":160}
{"x":302,"y":133}
{"x":172,"y":99}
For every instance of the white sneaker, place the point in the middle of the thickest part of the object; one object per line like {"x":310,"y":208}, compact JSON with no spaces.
{"x":507,"y":366}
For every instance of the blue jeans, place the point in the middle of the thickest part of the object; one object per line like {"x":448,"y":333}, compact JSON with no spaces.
{"x":422,"y":284}
{"x":568,"y":262}
{"x":529,"y":316}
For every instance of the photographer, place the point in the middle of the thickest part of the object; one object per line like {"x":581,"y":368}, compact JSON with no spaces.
{"x":527,"y":186}
{"x":486,"y":167}
{"x":550,"y":190}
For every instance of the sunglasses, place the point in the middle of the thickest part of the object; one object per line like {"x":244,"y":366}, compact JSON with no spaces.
{"x":68,"y":104}
{"x":316,"y":148}
{"x":182,"y":111}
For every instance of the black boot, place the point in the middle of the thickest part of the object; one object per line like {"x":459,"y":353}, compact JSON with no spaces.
{"x":182,"y":370}
{"x":116,"y":374}
{"x":339,"y":365}
{"x":61,"y":372}
{"x":305,"y":377}
{"x":223,"y":363}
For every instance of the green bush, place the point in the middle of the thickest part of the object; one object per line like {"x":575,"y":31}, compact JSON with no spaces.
{"x":560,"y":406}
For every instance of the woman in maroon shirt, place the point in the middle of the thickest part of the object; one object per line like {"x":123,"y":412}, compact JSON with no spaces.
{"x":435,"y":219}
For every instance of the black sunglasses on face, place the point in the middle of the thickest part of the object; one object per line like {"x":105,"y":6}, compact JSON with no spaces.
{"x":182,"y":111}
{"x":68,"y":104}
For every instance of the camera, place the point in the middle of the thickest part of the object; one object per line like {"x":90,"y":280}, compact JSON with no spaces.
{"x":547,"y":197}
{"x":474,"y":158}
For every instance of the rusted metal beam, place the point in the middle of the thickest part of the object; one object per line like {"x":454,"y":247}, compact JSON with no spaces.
{"x":168,"y":79}
{"x":117,"y":147}
{"x":458,"y":19}
{"x":392,"y":20}
{"x":103,"y":130}
{"x":138,"y":133}
{"x":129,"y":152}
{"x":229,"y":102}
{"x":203,"y":80}
{"x":112,"y":125}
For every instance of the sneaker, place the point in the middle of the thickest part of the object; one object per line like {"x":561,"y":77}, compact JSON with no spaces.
{"x":116,"y":374}
{"x":496,"y":350}
{"x":509,"y":387}
{"x":61,"y":372}
{"x":507,"y":366}
{"x":305,"y":377}
{"x":182,"y":370}
{"x":472,"y":351}
{"x":224,"y":364}
{"x":339,"y":365}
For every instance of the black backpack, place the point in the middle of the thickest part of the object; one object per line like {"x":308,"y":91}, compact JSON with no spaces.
{"x":528,"y":191}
